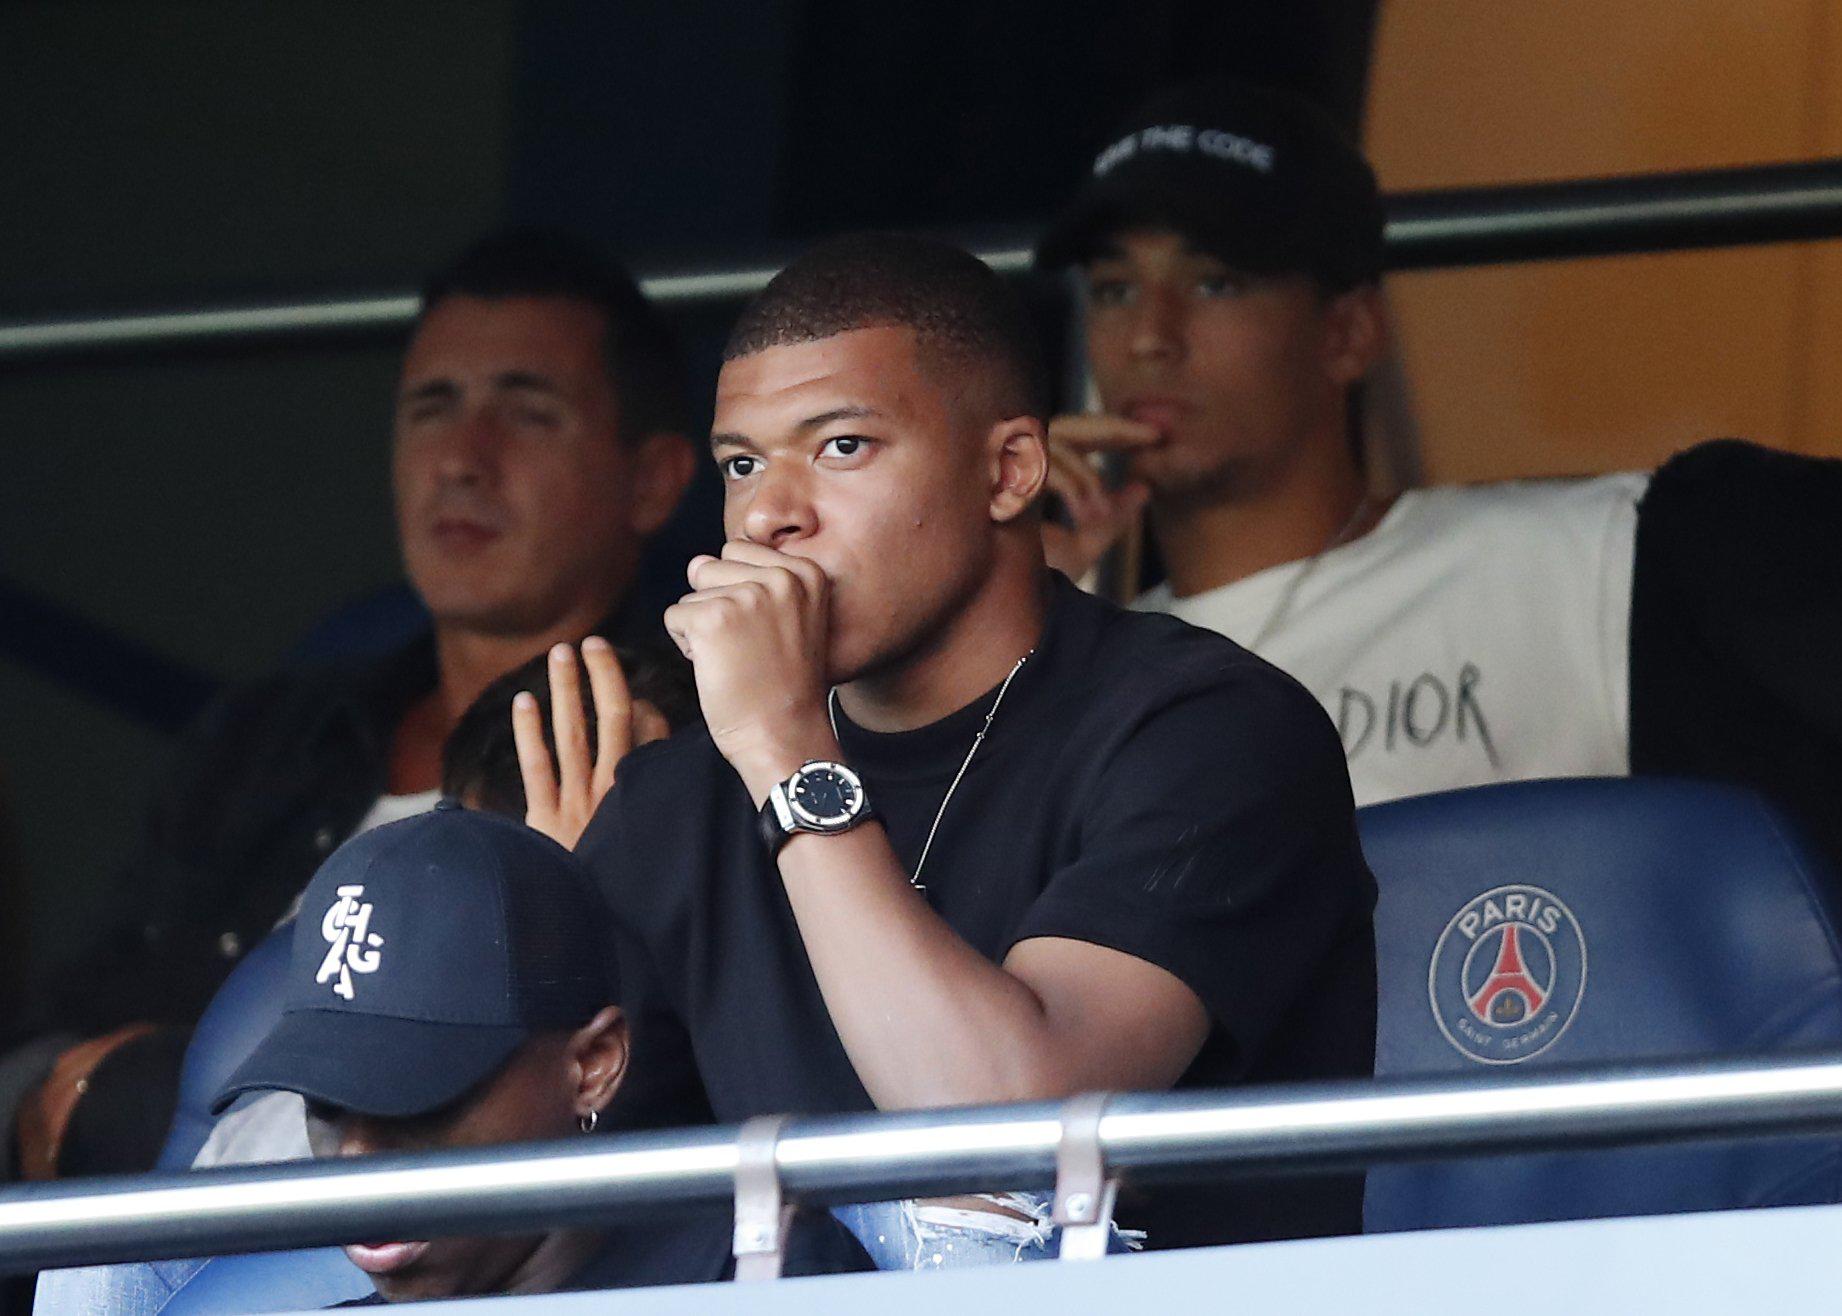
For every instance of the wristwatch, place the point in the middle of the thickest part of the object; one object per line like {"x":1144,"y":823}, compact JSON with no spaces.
{"x":821,"y":797}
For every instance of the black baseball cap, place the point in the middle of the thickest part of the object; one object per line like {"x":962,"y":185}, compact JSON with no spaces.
{"x":1259,"y":177}
{"x":425,"y":953}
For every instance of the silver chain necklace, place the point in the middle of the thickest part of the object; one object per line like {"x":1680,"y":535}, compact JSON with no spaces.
{"x":1284,"y":607}
{"x":831,"y":711}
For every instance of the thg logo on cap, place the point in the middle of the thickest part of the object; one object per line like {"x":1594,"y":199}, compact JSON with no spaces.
{"x":1183,"y":138}
{"x":355,"y":948}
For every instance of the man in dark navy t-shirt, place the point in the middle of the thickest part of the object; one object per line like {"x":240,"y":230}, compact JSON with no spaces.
{"x":956,"y":832}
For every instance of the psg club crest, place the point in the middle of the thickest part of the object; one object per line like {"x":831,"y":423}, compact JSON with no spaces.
{"x":1508,"y":974}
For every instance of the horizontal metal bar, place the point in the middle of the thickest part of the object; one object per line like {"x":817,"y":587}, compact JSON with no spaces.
{"x":1615,"y":216}
{"x":1459,"y":227}
{"x":1146,"y":1138}
{"x":380,"y":316}
{"x":165,"y":330}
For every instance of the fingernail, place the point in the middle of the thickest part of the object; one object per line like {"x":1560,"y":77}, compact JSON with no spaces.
{"x":524,"y":699}
{"x":596,"y":643}
{"x":559,"y":653}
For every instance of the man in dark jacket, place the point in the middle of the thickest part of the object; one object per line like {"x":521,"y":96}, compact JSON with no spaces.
{"x":538,"y":443}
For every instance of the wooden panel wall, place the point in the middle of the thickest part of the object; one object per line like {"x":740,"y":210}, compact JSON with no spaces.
{"x":1608,"y":364}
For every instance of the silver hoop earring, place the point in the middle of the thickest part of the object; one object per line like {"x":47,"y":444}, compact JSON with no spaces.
{"x":588,"y":1122}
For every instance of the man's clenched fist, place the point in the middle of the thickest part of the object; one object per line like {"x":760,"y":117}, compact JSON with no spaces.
{"x":755,"y":629}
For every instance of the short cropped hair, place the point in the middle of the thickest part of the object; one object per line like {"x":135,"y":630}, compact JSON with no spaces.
{"x":958,"y":307}
{"x":642,"y":356}
{"x":479,"y":760}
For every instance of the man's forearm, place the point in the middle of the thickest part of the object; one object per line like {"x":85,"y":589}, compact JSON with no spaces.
{"x":926,"y":1019}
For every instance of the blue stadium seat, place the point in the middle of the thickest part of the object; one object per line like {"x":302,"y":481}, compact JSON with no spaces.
{"x":245,"y":1008}
{"x":239,"y":1016}
{"x":1555,"y":923}
{"x":364,"y":628}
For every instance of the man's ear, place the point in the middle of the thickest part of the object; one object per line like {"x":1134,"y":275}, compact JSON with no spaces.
{"x":598,"y":1053}
{"x":1019,"y":465}
{"x":1356,"y":325}
{"x":663,"y":464}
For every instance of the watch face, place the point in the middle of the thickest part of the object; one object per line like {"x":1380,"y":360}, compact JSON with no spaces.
{"x":826,"y":795}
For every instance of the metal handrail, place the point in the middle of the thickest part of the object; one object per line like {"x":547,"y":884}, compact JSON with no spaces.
{"x":385,"y":314}
{"x":1145,"y":1137}
{"x":1616,"y":216}
{"x":1435,"y":229}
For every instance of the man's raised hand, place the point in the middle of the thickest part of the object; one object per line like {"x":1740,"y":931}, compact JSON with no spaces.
{"x":562,"y":794}
{"x":1099,"y":516}
{"x":755,"y":627}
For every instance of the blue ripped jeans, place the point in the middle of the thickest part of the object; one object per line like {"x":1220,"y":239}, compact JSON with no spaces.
{"x":912,"y":1235}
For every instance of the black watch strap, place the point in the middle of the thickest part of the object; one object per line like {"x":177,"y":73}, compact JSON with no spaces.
{"x":767,"y":823}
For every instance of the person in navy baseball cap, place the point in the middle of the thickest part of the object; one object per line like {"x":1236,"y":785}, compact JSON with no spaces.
{"x":450,"y":986}
{"x":427,"y":952}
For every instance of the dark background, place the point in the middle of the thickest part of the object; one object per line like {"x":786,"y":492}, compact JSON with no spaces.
{"x":204,"y":509}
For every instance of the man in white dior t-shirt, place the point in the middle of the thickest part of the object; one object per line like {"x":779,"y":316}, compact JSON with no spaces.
{"x":1456,"y":636}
